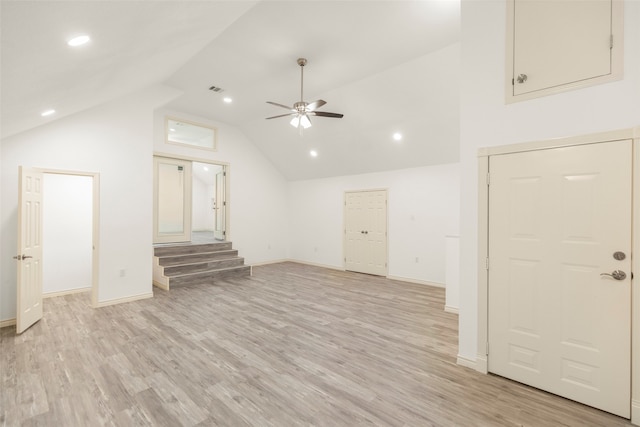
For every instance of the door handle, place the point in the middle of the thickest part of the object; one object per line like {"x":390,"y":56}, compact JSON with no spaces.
{"x":616,"y":274}
{"x":21,"y":257}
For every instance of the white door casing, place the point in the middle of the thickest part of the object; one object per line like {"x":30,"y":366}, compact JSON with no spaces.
{"x":171,"y":200}
{"x":556,"y":218}
{"x":366,"y":231}
{"x":29,"y":255}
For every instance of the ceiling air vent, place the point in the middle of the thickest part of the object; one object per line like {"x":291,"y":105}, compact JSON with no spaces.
{"x":216,"y":89}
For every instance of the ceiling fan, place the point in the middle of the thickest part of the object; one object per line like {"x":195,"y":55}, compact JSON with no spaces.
{"x":302,"y":110}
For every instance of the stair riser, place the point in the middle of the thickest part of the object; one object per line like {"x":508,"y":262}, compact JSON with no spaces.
{"x":213,"y":265}
{"x":209,"y":277}
{"x":193,"y":258}
{"x":190,"y":249}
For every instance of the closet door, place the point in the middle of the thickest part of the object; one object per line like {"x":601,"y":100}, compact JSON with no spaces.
{"x":366,"y":232}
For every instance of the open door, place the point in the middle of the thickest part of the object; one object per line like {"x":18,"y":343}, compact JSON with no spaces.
{"x":29,"y":258}
{"x":220,"y":206}
{"x":172,"y":200}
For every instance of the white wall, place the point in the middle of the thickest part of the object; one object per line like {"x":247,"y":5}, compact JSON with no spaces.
{"x":115,"y":140}
{"x":258,"y":197}
{"x":423,"y":207}
{"x":487,"y":121}
{"x":66,"y":232}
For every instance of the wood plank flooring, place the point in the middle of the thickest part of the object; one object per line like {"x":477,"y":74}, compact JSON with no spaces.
{"x":293,"y":345}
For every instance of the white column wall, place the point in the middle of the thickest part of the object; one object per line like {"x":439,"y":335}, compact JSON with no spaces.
{"x":487,"y":121}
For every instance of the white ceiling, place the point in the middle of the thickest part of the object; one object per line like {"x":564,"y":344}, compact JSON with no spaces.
{"x":373,"y":61}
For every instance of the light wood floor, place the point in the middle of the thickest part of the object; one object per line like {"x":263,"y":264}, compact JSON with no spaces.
{"x":291,"y":346}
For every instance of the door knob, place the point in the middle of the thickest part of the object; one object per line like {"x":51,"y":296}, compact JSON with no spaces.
{"x":522,"y":78}
{"x":616,"y":274}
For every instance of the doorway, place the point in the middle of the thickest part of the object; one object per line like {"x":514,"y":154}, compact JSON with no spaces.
{"x":365,"y":234}
{"x":190,"y":200}
{"x":82,"y":192}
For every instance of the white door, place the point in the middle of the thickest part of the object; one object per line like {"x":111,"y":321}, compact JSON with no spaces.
{"x":220,"y":206}
{"x":29,"y":258}
{"x":171,"y":200}
{"x":559,"y":227}
{"x":366,"y":232}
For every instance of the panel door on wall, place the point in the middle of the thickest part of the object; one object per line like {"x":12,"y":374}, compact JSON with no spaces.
{"x":559,"y":242}
{"x":29,"y":257}
{"x":171,"y":200}
{"x":366,"y":232}
{"x":558,"y":42}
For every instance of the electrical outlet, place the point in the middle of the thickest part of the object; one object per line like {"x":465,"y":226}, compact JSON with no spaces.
{"x":123,"y":272}
{"x":417,"y":259}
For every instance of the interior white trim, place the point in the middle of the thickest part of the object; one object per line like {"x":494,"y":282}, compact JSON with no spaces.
{"x":452,"y":310}
{"x":95,"y":260}
{"x":126,"y":299}
{"x":481,"y":363}
{"x":466,"y":362}
{"x":416,"y":281}
{"x":7,"y":323}
{"x":67,"y":292}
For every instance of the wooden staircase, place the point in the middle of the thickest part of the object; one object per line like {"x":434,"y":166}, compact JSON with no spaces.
{"x":186,"y":264}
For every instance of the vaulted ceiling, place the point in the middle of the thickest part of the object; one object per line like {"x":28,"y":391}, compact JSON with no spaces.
{"x":388,"y":66}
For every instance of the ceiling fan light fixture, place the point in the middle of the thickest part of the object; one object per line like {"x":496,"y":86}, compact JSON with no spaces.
{"x":301,"y":120}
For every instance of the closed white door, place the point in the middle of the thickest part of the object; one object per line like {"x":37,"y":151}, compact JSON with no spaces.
{"x":366,"y":232}
{"x":220,"y":206}
{"x":171,"y":200}
{"x":559,"y":231}
{"x":29,"y":258}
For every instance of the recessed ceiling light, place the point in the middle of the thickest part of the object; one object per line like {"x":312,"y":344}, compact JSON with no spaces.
{"x":172,"y":129}
{"x":79,"y":40}
{"x":397,"y":136}
{"x":205,"y":168}
{"x":47,"y":113}
{"x":227,"y":100}
{"x":313,"y":153}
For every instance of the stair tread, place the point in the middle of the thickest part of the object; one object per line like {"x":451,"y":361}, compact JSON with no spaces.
{"x":204,"y":261}
{"x":214,"y":270}
{"x":196,"y":253}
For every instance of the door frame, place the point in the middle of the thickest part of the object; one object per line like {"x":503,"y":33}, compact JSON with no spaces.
{"x":481,"y":364}
{"x":227,"y":187}
{"x":95,"y":224}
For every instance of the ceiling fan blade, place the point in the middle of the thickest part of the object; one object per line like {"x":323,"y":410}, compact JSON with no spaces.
{"x":280,"y":105}
{"x":315,"y":104}
{"x":325,"y":114}
{"x":282,"y":115}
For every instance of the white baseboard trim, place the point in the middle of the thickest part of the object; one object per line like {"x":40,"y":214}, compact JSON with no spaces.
{"x":416,"y":281}
{"x":275,"y":261}
{"x":466,"y":362}
{"x":160,"y":285}
{"x":635,"y":412}
{"x":314,"y":264}
{"x":7,"y":322}
{"x":67,"y":292}
{"x":123,"y":300}
{"x":450,"y":309}
{"x":482,"y":364}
